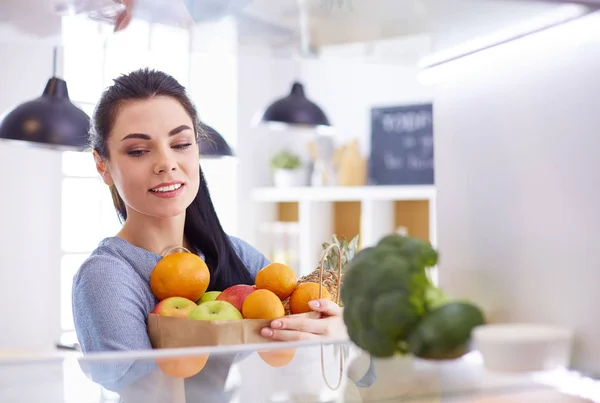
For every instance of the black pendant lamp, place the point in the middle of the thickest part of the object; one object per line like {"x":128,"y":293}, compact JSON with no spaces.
{"x":50,"y":121}
{"x":212,"y":144}
{"x":296,"y":109}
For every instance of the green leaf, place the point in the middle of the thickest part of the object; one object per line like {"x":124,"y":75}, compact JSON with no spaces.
{"x":285,"y":160}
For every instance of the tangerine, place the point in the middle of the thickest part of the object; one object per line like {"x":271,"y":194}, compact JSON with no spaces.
{"x":277,"y":277}
{"x":181,"y":274}
{"x":305,"y":293}
{"x":277,"y":358}
{"x":262,"y":304}
{"x":182,"y":367}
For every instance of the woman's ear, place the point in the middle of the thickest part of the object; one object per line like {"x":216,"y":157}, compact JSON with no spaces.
{"x":102,"y":169}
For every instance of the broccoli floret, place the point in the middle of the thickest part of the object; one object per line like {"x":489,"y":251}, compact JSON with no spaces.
{"x":386,"y":291}
{"x":418,"y":251}
{"x":383,"y":296}
{"x":422,"y":257}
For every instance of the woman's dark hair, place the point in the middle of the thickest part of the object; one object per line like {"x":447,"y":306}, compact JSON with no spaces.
{"x":202,"y":226}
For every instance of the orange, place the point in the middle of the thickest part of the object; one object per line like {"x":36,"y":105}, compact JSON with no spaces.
{"x":181,"y":274}
{"x":305,"y":293}
{"x":182,"y":367}
{"x":277,"y":358}
{"x":262,"y":304}
{"x":278,"y":278}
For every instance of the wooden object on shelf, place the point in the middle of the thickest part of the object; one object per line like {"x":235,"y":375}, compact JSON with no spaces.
{"x":414,"y":216}
{"x":287,"y":211}
{"x":346,"y":218}
{"x":351,"y":165}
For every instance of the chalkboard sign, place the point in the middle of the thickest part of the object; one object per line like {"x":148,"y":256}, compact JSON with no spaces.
{"x":402,"y":145}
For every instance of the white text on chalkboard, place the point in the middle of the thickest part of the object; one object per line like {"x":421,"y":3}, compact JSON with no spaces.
{"x":413,"y":162}
{"x":406,"y":122}
{"x":391,"y":161}
{"x":418,"y":164}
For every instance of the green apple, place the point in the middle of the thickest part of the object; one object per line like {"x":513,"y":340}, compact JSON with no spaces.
{"x":208,"y":296}
{"x":215,"y":310}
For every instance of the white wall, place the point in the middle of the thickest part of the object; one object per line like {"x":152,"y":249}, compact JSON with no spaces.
{"x":458,"y":21}
{"x":25,"y":69}
{"x":29,"y":209}
{"x":518,"y":185}
{"x":213,"y":85}
{"x":30,"y":247}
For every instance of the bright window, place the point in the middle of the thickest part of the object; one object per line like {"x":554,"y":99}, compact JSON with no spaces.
{"x":87,"y":215}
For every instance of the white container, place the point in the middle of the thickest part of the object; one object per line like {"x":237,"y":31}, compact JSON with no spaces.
{"x":290,"y":177}
{"x":522,"y":347}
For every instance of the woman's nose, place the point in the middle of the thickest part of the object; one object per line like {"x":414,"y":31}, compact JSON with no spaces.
{"x":164,"y":163}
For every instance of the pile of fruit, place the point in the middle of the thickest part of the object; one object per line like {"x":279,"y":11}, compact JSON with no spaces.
{"x":180,"y":281}
{"x":392,"y":307}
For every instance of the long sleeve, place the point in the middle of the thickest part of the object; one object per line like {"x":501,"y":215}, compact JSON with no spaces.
{"x":109,"y":315}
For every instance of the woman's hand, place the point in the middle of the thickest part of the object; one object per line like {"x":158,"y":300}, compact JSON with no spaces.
{"x":325,"y":321}
{"x":124,"y":18}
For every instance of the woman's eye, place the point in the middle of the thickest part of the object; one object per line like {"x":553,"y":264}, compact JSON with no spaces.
{"x":136,"y":153}
{"x":182,"y":146}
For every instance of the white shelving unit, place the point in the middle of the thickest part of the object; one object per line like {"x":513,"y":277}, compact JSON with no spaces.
{"x":370,"y":211}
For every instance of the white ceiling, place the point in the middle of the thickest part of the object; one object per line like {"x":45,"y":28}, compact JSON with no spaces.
{"x":395,"y":31}
{"x":29,"y":17}
{"x":400,"y":29}
{"x":346,"y":21}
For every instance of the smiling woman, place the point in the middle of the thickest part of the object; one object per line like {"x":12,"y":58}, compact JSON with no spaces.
{"x":144,"y":138}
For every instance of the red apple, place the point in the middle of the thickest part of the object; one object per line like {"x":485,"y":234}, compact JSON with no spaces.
{"x":175,"y":306}
{"x":236,"y":294}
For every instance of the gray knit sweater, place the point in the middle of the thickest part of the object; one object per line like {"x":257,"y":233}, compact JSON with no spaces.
{"x":112,"y":299}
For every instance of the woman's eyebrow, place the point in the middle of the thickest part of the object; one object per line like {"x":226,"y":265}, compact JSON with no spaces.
{"x":143,"y":136}
{"x":179,"y":129}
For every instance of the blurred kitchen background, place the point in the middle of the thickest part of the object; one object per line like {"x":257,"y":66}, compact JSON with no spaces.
{"x":469,"y":123}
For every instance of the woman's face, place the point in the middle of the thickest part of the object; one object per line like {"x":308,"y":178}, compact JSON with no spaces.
{"x":153,"y":157}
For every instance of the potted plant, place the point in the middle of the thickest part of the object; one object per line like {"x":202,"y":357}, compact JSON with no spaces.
{"x":288,"y":170}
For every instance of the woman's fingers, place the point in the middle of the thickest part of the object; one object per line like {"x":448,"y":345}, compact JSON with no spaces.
{"x":326,"y":306}
{"x":122,"y":21}
{"x":323,"y":321}
{"x":124,"y":18}
{"x":287,"y":335}
{"x":311,"y":323}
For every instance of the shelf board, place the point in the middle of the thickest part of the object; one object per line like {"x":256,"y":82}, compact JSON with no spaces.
{"x":343,"y":193}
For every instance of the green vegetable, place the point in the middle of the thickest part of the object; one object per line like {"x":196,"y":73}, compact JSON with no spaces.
{"x":285,"y":160}
{"x":445,"y":332}
{"x":418,"y":251}
{"x":390,"y":304}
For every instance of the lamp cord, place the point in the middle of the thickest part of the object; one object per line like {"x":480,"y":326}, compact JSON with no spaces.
{"x":54,"y":62}
{"x":304,"y":51}
{"x":304,"y":29}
